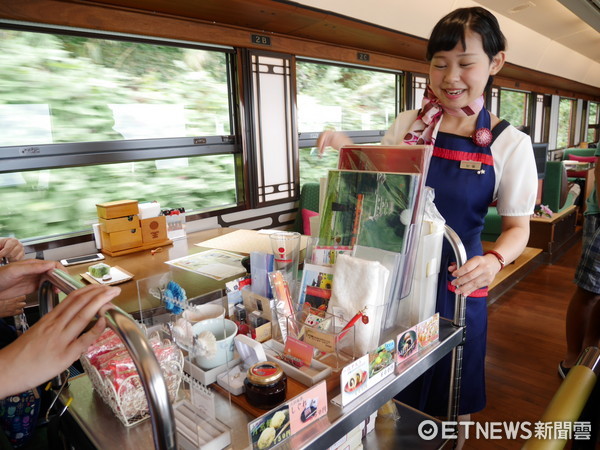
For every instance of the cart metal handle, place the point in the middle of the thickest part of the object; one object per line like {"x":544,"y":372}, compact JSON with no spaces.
{"x":155,"y":387}
{"x":460,"y":311}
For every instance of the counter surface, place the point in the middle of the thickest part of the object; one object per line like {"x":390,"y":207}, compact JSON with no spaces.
{"x":144,"y":264}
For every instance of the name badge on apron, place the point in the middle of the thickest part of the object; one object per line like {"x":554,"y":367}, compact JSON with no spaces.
{"x":470,"y":165}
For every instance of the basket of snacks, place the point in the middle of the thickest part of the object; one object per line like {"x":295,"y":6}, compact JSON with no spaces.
{"x":114,"y":376}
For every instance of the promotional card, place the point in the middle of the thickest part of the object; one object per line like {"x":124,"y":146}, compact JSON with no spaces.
{"x":354,"y":379}
{"x":271,"y":428}
{"x":381,"y":362}
{"x":407,"y":344}
{"x":315,"y":287}
{"x":428,"y":331}
{"x":308,"y":407}
{"x":299,"y":350}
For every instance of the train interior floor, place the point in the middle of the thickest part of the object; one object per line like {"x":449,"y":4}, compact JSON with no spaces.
{"x":525,"y":343}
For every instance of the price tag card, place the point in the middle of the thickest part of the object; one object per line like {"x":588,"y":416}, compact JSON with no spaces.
{"x":428,"y":331}
{"x":271,"y":428}
{"x":354,"y":379}
{"x":308,"y":407}
{"x":299,"y":350}
{"x":406,"y":344}
{"x":381,"y":362}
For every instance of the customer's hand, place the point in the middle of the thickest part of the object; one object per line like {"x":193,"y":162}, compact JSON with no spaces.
{"x":334,"y":139}
{"x":11,"y":249}
{"x":12,"y":306}
{"x":23,"y":277}
{"x":55,"y":341}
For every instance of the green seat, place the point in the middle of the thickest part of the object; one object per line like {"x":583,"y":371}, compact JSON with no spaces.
{"x":578,"y":152}
{"x":309,"y":199}
{"x":555,"y":194}
{"x":555,"y":190}
{"x":492,"y":226}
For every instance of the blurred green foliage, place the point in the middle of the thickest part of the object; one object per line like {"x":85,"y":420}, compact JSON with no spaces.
{"x":513,"y":107}
{"x":342,"y":99}
{"x":565,"y":114}
{"x":78,"y":78}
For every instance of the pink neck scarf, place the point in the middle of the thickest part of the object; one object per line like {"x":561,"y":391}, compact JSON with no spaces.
{"x":424,"y":129}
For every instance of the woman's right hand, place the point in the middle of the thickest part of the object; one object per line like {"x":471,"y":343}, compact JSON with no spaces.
{"x":333,"y":139}
{"x":11,"y":249}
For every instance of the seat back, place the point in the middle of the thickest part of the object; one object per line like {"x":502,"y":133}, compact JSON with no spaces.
{"x":555,"y":189}
{"x":309,"y":199}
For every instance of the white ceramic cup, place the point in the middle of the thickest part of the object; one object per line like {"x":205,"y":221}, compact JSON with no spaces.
{"x":202,"y":312}
{"x":224,"y":331}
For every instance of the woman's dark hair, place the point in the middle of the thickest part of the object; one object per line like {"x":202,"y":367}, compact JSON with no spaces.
{"x":450,"y":30}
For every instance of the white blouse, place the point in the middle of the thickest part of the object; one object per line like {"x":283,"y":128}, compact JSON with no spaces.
{"x":514,"y":165}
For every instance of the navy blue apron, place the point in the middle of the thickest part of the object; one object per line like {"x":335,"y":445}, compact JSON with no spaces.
{"x":462,"y":196}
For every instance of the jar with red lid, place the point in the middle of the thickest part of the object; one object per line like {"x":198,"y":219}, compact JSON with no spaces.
{"x":266,"y":385}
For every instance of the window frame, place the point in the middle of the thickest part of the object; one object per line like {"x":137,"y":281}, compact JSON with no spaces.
{"x":22,"y":158}
{"x":309,"y":138}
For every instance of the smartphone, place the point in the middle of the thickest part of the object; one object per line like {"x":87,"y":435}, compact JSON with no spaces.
{"x":82,"y":259}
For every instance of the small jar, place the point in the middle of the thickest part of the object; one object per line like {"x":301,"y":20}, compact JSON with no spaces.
{"x":266,"y":385}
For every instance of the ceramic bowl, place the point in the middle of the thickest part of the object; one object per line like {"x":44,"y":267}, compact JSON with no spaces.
{"x":224,"y":331}
{"x":203,"y":312}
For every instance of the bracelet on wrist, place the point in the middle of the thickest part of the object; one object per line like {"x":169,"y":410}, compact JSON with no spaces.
{"x":498,"y":256}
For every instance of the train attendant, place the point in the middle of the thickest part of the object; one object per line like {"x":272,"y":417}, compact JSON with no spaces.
{"x":477,"y":159}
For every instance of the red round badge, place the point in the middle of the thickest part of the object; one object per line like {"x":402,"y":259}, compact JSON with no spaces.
{"x":482,"y":137}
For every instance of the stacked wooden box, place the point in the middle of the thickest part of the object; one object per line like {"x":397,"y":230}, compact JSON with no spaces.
{"x":123,"y":232}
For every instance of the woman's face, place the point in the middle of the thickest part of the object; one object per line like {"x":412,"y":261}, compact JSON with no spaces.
{"x":458,"y":77}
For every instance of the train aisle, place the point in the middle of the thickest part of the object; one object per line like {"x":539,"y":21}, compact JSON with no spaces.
{"x":526,"y":341}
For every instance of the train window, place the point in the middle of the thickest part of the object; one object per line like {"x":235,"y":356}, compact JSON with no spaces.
{"x":87,"y":119}
{"x":593,"y":122}
{"x":514,"y":107}
{"x":361,"y":102}
{"x":419,"y":85}
{"x":566,"y":113}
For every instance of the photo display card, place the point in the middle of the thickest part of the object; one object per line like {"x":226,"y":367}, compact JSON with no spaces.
{"x":354,"y":379}
{"x":381,"y":362}
{"x":276,"y":426}
{"x":364,"y":208}
{"x":428,"y":331}
{"x":271,"y":428}
{"x":307,"y":407}
{"x":407,"y":344}
{"x":315,"y":287}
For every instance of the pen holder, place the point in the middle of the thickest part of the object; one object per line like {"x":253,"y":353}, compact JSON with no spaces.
{"x":325,"y":332}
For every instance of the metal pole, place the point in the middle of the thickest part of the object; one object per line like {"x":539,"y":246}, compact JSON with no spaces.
{"x":155,"y":387}
{"x":460,"y":308}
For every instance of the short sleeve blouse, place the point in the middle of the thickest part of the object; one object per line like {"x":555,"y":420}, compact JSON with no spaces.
{"x":514,"y":166}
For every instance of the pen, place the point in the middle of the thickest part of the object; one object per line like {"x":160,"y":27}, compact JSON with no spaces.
{"x":353,"y":321}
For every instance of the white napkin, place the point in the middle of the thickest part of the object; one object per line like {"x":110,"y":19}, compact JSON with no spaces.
{"x":358,"y":283}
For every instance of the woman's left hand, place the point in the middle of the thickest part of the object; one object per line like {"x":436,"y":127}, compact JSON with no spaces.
{"x":476,"y":273}
{"x":12,"y":306}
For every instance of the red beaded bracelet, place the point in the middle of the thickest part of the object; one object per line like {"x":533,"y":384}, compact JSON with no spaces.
{"x":497,"y":255}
